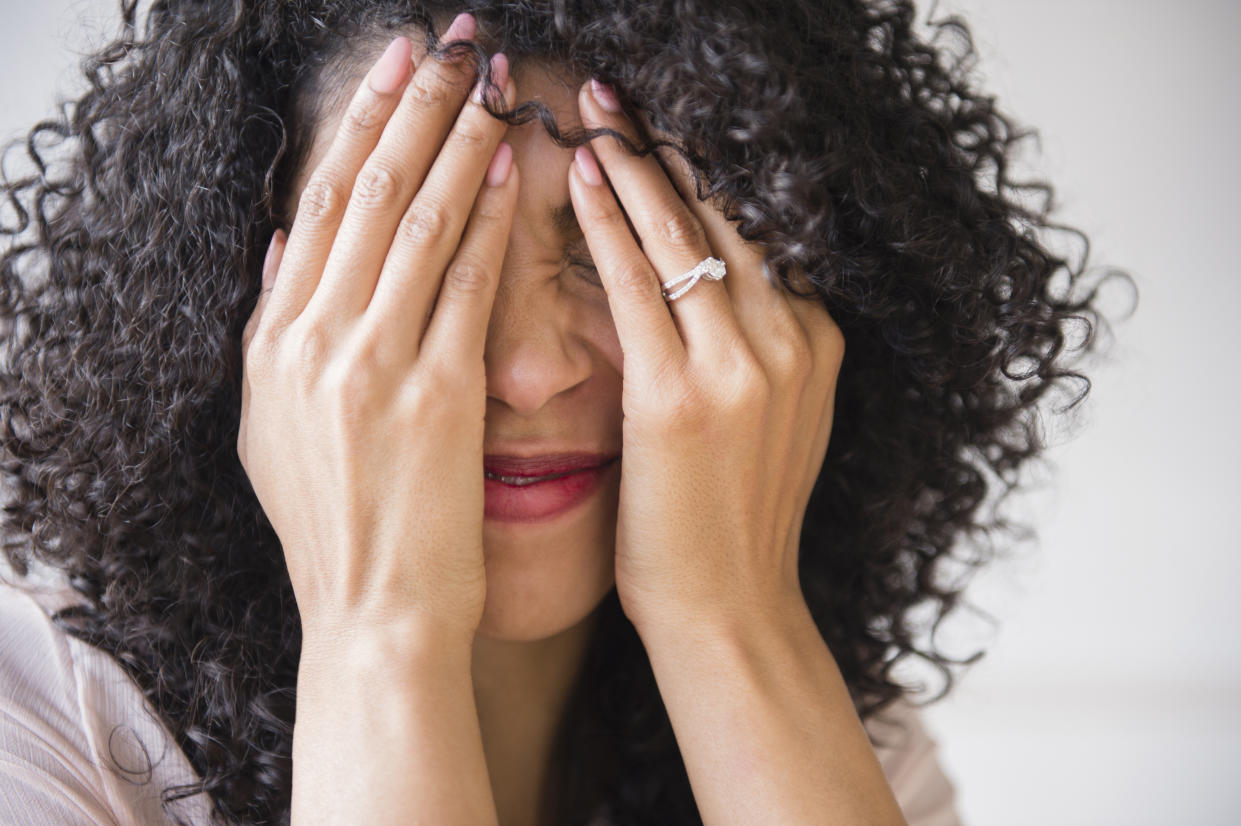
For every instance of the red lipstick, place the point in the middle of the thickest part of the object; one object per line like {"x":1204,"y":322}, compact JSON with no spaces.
{"x":538,"y":488}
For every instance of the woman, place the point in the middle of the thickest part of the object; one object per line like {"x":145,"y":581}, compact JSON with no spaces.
{"x":294,"y":277}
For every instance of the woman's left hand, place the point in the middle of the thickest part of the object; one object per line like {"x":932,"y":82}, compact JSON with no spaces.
{"x":728,"y":392}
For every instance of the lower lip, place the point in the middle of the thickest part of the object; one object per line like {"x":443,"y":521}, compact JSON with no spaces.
{"x":542,"y":500}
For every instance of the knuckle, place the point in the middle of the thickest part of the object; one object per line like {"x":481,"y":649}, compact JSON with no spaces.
{"x":350,"y":397}
{"x":430,"y":89}
{"x":758,"y":393}
{"x":350,"y":383}
{"x":257,"y":351}
{"x":827,"y":342}
{"x":416,"y":400}
{"x":449,"y":379}
{"x":362,"y":117}
{"x":423,"y":225}
{"x":377,"y":185}
{"x":755,"y":387}
{"x":471,"y":136}
{"x":364,"y":357}
{"x":468,"y":276}
{"x":687,"y":408}
{"x":680,"y":230}
{"x":836,"y":341}
{"x":305,"y":350}
{"x":633,"y":279}
{"x":492,"y":209}
{"x":744,"y":385}
{"x":322,"y":199}
{"x":793,"y":357}
{"x":435,"y":382}
{"x":248,"y":334}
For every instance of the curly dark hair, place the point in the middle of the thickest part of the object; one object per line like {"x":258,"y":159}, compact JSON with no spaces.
{"x":858,"y":151}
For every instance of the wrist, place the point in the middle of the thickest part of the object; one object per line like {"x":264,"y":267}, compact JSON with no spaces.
{"x":386,"y":727}
{"x":388,"y":649}
{"x":721,"y":621}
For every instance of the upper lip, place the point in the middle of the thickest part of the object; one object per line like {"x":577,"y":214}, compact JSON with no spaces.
{"x":544,"y":464}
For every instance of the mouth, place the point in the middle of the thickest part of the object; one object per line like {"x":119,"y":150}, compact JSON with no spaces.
{"x":521,"y":481}
{"x":517,"y":470}
{"x":539,"y":488}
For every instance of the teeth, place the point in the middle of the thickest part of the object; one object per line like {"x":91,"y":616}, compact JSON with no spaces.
{"x":522,"y":480}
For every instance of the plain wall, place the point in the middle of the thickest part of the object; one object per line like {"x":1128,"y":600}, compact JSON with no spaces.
{"x":1112,"y":690}
{"x":1112,"y":694}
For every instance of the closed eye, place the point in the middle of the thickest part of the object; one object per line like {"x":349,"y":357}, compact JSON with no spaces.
{"x":588,"y":273}
{"x":577,"y":257}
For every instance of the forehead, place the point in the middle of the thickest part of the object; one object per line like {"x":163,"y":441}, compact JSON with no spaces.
{"x":543,"y":204}
{"x":544,"y":198}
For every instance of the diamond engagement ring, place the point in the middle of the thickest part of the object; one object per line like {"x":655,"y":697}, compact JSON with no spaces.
{"x":711,"y":269}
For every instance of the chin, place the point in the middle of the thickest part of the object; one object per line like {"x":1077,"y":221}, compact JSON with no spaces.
{"x":540,"y":608}
{"x":544,"y":579}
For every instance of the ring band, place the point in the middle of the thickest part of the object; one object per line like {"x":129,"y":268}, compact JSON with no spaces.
{"x":709,"y":268}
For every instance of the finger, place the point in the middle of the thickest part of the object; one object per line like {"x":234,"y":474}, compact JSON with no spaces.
{"x":432,"y":227}
{"x":722,"y":234}
{"x":763,"y":306}
{"x":828,"y":360}
{"x":760,"y":302}
{"x":322,"y":201}
{"x":271,"y":264}
{"x":827,"y":345}
{"x":813,"y":314}
{"x":648,"y":336}
{"x":457,"y":333}
{"x":389,"y":179}
{"x":672,"y":237}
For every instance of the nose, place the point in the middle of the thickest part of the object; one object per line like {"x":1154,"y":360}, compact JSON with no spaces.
{"x":532,"y":355}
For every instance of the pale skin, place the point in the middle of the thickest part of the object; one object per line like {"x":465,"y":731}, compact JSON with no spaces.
{"x":439,"y":648}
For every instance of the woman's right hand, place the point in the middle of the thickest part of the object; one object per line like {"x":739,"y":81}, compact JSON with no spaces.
{"x":364,"y":394}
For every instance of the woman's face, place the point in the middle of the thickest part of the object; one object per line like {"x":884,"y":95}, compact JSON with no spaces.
{"x":553,"y":367}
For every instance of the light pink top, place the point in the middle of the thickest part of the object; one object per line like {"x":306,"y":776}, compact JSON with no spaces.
{"x":74,"y":729}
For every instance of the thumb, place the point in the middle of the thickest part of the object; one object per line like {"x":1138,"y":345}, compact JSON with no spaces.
{"x":271,"y":264}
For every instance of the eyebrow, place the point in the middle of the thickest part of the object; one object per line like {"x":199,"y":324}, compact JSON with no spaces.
{"x":565,"y":220}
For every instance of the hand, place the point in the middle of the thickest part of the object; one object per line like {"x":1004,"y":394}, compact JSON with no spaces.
{"x":728,"y":392}
{"x":364,"y":393}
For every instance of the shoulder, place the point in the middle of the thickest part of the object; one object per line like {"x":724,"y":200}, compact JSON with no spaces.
{"x":910,"y":760}
{"x":78,"y":743}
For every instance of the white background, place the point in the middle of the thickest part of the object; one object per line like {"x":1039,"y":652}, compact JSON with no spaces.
{"x":1111,"y":693}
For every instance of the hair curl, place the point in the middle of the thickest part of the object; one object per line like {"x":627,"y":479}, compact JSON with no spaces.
{"x":854,"y":149}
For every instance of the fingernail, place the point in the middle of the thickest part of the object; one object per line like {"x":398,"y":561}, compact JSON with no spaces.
{"x":501,"y":165}
{"x":499,"y":70}
{"x":499,"y":76}
{"x":605,"y":95}
{"x":463,"y":27}
{"x":391,"y":70}
{"x":587,"y":167}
